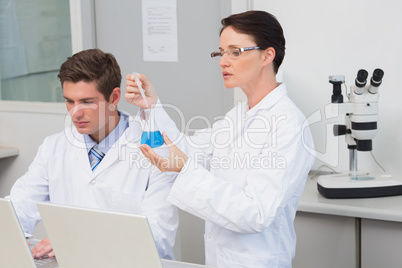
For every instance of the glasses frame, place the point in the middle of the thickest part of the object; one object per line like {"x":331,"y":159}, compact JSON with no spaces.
{"x":229,"y":52}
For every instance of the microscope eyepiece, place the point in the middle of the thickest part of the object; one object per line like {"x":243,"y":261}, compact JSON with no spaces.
{"x":361,"y":78}
{"x":376,"y":79}
{"x":360,"y":81}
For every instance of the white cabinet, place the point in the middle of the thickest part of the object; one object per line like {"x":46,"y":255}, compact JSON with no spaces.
{"x":361,"y":232}
{"x":325,"y":241}
{"x":381,"y":244}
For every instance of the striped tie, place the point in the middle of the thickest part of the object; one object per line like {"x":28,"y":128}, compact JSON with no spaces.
{"x":96,"y":156}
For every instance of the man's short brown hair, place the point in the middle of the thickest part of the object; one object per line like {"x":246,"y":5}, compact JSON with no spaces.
{"x":92,"y":65}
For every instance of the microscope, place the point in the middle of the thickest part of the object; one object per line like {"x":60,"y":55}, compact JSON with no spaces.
{"x":361,"y":116}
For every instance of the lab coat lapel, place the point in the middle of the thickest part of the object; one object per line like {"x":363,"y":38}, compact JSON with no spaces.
{"x":107,"y":160}
{"x":115,"y":153}
{"x":261,"y":123}
{"x":80,"y":150}
{"x":257,"y":129}
{"x":118,"y":151}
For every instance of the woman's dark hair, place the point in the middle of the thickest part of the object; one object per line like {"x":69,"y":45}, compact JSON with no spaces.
{"x":92,"y":65}
{"x":263,"y":27}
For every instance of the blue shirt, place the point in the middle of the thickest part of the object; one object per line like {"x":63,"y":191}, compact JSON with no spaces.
{"x":111,"y":139}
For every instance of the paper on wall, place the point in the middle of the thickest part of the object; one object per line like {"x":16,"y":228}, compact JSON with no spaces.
{"x":159,"y":30}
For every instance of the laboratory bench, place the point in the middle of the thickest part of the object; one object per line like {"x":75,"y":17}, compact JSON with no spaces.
{"x":177,"y":264}
{"x":358,"y":232}
{"x":8,"y":152}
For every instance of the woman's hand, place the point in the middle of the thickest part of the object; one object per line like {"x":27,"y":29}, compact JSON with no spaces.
{"x":174,"y":162}
{"x":133,"y":94}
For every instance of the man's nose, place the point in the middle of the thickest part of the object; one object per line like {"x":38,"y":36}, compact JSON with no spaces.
{"x":77,"y":111}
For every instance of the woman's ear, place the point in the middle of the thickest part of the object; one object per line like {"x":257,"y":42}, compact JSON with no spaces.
{"x":269,"y":55}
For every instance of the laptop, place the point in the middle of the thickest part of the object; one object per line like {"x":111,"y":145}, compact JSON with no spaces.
{"x":85,"y":238}
{"x":14,"y":249}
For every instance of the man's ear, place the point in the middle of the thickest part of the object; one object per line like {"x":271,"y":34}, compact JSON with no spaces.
{"x":115,"y":96}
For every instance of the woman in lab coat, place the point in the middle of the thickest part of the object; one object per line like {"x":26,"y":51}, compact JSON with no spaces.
{"x":245,"y":175}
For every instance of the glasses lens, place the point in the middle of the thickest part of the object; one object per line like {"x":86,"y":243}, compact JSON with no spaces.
{"x":233,"y":53}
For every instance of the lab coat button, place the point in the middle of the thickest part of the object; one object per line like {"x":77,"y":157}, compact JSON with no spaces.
{"x":209,"y":235}
{"x":93,"y":182}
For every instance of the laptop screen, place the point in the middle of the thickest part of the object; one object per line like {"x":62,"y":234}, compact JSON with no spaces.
{"x":92,"y":238}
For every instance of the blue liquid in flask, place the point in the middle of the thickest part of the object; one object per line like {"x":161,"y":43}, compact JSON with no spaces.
{"x":153,"y":138}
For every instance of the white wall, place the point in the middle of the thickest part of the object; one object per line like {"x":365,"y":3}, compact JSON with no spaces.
{"x":24,"y":125}
{"x":340,"y":37}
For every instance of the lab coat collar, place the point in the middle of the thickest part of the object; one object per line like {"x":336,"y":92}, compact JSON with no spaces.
{"x":267,"y":102}
{"x":77,"y":141}
{"x":112,"y":138}
{"x":132,"y":135}
{"x":117,"y":152}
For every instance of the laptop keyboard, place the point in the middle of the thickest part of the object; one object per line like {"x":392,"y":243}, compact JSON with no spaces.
{"x":42,"y":261}
{"x":45,"y":260}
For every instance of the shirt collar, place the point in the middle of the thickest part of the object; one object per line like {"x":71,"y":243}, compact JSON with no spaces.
{"x":113,"y":136}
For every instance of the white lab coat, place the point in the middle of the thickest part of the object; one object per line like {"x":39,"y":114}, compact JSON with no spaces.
{"x":247,"y":183}
{"x":124,"y":181}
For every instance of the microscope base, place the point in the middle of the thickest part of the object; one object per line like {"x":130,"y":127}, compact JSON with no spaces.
{"x":358,"y":186}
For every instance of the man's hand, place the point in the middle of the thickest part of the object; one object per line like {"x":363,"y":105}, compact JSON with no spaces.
{"x":42,"y":248}
{"x":174,"y":162}
{"x":133,"y":94}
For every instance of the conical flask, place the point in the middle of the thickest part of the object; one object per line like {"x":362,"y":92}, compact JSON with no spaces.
{"x":150,"y":132}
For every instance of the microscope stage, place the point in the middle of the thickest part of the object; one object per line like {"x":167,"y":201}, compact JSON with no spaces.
{"x":358,"y":186}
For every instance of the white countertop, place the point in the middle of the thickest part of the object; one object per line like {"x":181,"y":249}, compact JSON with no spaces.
{"x":8,"y":152}
{"x":379,"y":208}
{"x":177,"y":264}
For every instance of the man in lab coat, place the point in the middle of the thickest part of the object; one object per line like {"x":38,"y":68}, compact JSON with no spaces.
{"x":112,"y":176}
